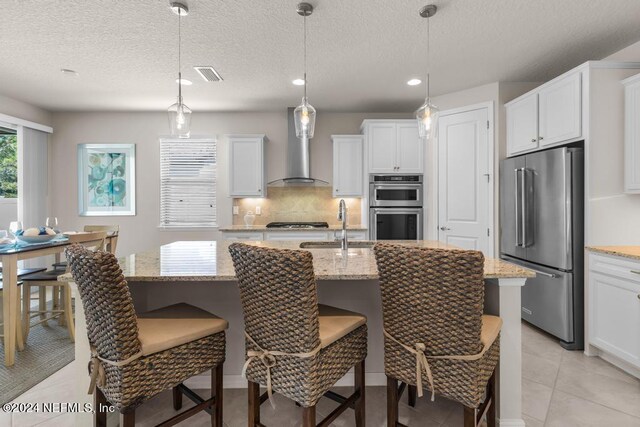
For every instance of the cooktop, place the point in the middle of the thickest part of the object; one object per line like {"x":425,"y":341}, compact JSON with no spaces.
{"x":298,"y":225}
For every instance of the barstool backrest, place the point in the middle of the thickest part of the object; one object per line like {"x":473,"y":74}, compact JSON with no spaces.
{"x":279,"y":297}
{"x":432,"y":296}
{"x":108,"y":307}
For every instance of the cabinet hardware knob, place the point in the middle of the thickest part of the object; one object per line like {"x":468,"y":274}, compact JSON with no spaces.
{"x":534,"y":140}
{"x":638,"y":296}
{"x":443,"y":228}
{"x":540,"y":138}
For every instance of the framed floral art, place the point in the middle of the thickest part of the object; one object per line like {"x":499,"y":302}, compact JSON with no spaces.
{"x":106,"y":179}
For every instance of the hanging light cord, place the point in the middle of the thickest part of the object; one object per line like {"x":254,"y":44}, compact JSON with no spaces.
{"x":304,"y":24}
{"x":428,"y":60}
{"x":179,"y":55}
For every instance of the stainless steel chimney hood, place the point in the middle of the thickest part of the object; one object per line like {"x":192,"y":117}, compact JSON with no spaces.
{"x":297,"y":160}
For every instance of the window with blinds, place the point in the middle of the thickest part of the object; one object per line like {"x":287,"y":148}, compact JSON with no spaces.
{"x":188,"y":173}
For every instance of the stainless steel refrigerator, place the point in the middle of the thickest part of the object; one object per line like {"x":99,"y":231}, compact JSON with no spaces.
{"x":541,"y":228}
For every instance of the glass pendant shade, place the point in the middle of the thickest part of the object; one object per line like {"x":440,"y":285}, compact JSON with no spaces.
{"x":427,"y":116}
{"x":304,"y":117}
{"x":180,"y":119}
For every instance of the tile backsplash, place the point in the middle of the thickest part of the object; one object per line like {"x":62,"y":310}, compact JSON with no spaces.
{"x":297,"y":204}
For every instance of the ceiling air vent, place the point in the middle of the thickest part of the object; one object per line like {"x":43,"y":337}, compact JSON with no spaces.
{"x":208,"y":73}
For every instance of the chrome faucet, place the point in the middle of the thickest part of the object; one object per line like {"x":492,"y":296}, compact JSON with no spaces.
{"x":342,"y":216}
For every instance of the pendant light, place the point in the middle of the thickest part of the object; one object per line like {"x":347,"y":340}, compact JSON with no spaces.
{"x":304,"y":115}
{"x":427,"y":114}
{"x":179,"y":113}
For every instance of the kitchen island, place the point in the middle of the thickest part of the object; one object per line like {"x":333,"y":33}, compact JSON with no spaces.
{"x":201,"y":273}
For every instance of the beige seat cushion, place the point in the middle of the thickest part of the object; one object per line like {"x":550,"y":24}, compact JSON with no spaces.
{"x":335,"y":323}
{"x":490,"y":329}
{"x":175,"y":325}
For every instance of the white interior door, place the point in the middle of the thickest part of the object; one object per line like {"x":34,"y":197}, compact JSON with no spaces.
{"x":464,"y":187}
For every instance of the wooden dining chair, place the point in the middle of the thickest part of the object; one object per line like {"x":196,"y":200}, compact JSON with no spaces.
{"x":49,"y":279}
{"x":21,"y":273}
{"x":110,"y":245}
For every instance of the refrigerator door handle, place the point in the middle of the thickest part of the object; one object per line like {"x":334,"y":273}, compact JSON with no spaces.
{"x":523,"y":195}
{"x":518,"y":211}
{"x":542,"y":273}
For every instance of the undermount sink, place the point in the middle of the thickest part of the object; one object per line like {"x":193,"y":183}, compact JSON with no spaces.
{"x":336,"y":245}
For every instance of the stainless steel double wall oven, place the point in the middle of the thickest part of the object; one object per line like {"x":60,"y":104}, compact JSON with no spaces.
{"x":395,"y":207}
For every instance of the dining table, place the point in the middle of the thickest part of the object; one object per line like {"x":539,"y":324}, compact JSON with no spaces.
{"x":20,"y":251}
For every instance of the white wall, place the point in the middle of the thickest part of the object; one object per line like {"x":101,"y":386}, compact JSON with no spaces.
{"x":140,"y":232}
{"x":22,"y":110}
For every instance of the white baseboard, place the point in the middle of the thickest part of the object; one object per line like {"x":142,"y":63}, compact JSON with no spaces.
{"x":203,"y":382}
{"x":622,"y":364}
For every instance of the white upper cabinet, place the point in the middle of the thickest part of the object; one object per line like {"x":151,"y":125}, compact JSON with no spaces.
{"x":382,"y":147}
{"x":410,"y":148}
{"x":560,"y":111}
{"x":549,"y":115}
{"x":632,"y":134}
{"x":522,"y":125}
{"x":246,"y":166}
{"x":347,"y":165}
{"x":394,"y":146}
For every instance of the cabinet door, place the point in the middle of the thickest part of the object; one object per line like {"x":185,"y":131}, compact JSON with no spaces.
{"x":522,"y":125}
{"x":632,"y":138}
{"x":347,"y":166}
{"x":246,"y":167}
{"x":560,"y":111}
{"x":241,"y":236}
{"x":614,"y":310}
{"x":382,"y":147}
{"x":298,"y":235}
{"x":409,"y":148}
{"x":351,"y":235}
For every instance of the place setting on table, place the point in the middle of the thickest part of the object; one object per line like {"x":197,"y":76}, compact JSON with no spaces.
{"x":18,"y":237}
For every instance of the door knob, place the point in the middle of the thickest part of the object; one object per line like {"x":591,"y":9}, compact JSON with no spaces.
{"x":443,"y":228}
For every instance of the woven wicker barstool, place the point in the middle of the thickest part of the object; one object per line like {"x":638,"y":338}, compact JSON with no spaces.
{"x":136,"y":357}
{"x":296,"y":347}
{"x":435,"y":332}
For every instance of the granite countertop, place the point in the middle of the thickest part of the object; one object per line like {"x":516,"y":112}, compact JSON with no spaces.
{"x":632,"y":252}
{"x":332,"y":227}
{"x":210,"y":261}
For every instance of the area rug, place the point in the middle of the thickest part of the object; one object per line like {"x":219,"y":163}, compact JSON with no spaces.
{"x":48,"y":350}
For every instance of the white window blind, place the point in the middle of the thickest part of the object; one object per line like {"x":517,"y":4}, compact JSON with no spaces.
{"x":188,"y":173}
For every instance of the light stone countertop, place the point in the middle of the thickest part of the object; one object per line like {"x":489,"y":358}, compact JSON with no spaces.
{"x":332,"y":227}
{"x":632,"y":252}
{"x":205,"y":261}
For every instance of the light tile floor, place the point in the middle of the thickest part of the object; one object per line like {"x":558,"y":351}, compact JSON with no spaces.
{"x":560,"y":389}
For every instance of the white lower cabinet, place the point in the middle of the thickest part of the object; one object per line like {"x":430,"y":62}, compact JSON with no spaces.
{"x":352,"y":235}
{"x":296,"y":235}
{"x":614,"y":306}
{"x":292,"y":235}
{"x":241,"y":235}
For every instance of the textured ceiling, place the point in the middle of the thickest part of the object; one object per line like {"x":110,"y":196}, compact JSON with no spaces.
{"x":361,"y":52}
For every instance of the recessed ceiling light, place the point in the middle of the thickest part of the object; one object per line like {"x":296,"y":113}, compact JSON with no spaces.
{"x":68,"y":72}
{"x":179,"y":8}
{"x":298,"y":82}
{"x":185,"y":82}
{"x":414,"y":82}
